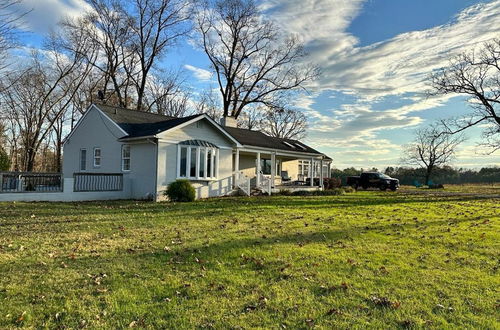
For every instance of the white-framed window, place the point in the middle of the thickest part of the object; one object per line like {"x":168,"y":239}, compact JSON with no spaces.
{"x":97,"y":157}
{"x":304,"y":166}
{"x":125,"y":157}
{"x":197,"y":162}
{"x":83,"y":159}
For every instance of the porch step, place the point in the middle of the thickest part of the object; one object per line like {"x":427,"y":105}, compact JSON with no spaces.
{"x":257,"y":192}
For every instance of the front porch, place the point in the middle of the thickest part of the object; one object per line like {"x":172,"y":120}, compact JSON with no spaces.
{"x":271,"y":170}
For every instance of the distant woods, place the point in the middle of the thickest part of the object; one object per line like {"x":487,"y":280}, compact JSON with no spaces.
{"x":114,"y":54}
{"x":440,"y":175}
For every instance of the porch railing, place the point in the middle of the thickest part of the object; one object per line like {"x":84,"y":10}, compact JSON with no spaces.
{"x":242,"y":182}
{"x":266,"y":184}
{"x":17,"y":182}
{"x":98,"y":182}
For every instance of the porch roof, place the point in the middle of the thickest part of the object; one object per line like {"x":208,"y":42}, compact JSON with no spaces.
{"x":258,"y":139}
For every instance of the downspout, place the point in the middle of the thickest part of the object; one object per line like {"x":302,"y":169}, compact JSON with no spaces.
{"x":155,"y":142}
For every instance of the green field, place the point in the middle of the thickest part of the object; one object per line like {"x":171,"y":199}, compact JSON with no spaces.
{"x":364,"y":259}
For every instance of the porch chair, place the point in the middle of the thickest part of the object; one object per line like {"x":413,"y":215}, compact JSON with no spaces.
{"x":285,"y":178}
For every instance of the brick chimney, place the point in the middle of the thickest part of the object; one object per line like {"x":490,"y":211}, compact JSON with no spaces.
{"x":229,"y":121}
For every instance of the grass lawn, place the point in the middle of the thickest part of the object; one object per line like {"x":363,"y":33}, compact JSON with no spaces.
{"x":365,"y":259}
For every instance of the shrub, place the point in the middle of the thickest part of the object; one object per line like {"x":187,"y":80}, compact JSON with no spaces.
{"x":285,"y":192}
{"x":349,"y":189}
{"x":332,"y":183}
{"x":436,"y":186}
{"x":181,"y":191}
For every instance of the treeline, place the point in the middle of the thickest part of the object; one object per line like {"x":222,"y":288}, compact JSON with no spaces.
{"x":444,"y":175}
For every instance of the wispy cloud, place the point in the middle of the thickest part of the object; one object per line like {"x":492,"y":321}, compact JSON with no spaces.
{"x":397,"y":67}
{"x":44,"y":15}
{"x":199,"y":73}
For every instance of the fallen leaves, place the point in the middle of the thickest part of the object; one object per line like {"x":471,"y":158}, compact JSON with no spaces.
{"x":384,"y":302}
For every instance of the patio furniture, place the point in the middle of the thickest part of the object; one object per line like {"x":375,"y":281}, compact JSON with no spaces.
{"x":285,"y":177}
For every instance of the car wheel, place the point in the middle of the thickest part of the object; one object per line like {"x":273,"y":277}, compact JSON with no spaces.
{"x":383,"y":187}
{"x":394,"y":188}
{"x":355,"y":186}
{"x":365,"y":187}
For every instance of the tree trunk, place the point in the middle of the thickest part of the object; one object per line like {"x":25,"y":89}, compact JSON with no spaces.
{"x":428,"y":175}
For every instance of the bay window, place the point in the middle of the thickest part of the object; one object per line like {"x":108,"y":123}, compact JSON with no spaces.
{"x":197,"y":160}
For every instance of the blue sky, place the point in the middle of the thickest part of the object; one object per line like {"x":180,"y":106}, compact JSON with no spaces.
{"x":375,"y":56}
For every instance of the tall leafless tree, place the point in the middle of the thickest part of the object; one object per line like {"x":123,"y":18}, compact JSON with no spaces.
{"x":131,"y":38}
{"x":477,"y":76}
{"x":9,"y":17}
{"x":253,"y":59}
{"x":167,"y":95}
{"x":285,"y":123}
{"x":208,"y":102}
{"x":107,"y":28}
{"x":432,"y":147}
{"x":156,"y":26}
{"x":41,"y":93}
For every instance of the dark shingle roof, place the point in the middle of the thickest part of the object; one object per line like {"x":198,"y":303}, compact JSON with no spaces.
{"x":259,"y":139}
{"x":140,"y":123}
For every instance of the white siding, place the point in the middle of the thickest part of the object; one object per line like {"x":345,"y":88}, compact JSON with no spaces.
{"x":97,"y":131}
{"x":94,"y":130}
{"x":143,"y":170}
{"x":206,"y":132}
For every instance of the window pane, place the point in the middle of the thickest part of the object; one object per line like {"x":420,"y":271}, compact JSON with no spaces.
{"x":209,"y":163}
{"x":83,"y":160}
{"x":126,"y":164}
{"x":126,"y":151}
{"x":192,"y":171}
{"x":202,"y":163}
{"x":126,"y":158}
{"x":215,"y":163}
{"x":183,"y":164}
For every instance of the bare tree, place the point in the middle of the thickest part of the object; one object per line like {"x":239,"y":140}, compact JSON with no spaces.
{"x":167,"y":96}
{"x":285,"y":123}
{"x":432,"y":147}
{"x":208,"y":102}
{"x":251,"y":118}
{"x":155,"y":25}
{"x":253,"y":60}
{"x":8,"y":19}
{"x":107,"y":29}
{"x":130,"y":38}
{"x":41,"y":94}
{"x":476,"y":75}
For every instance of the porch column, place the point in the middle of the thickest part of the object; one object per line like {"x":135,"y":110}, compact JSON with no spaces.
{"x":273,"y":168}
{"x":321,"y":173}
{"x":237,"y":161}
{"x":257,"y":168}
{"x":329,"y":169}
{"x":311,"y":172}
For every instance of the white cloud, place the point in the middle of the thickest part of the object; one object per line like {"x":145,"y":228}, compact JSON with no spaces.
{"x":199,"y":73}
{"x":44,"y":15}
{"x":397,"y":67}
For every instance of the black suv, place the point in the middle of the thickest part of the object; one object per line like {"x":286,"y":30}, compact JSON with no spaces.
{"x":373,"y":180}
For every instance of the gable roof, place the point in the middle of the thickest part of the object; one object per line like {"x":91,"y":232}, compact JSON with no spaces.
{"x":140,"y":124}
